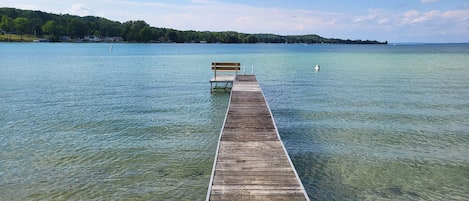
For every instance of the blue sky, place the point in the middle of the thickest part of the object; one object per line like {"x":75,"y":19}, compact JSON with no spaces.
{"x":391,"y":20}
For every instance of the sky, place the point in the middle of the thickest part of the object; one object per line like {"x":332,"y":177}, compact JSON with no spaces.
{"x":439,"y":21}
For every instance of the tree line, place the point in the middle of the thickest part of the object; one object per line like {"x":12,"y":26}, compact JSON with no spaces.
{"x":57,"y":27}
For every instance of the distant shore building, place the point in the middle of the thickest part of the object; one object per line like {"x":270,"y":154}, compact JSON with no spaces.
{"x":112,"y":39}
{"x":92,"y":38}
{"x":65,"y":38}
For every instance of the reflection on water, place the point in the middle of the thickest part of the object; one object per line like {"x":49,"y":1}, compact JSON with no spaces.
{"x":377,"y":132}
{"x":80,"y":122}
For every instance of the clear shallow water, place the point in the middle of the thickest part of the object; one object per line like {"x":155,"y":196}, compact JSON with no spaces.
{"x":79,"y":121}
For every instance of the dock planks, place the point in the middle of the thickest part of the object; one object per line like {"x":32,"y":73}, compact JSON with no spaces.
{"x":251,"y":162}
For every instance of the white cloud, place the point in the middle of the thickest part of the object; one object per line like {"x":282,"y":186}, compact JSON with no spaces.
{"x":383,"y":21}
{"x":360,"y":19}
{"x":217,"y":16}
{"x":414,"y":25}
{"x":211,"y":15}
{"x":81,"y":10}
{"x":428,"y":1}
{"x":447,"y":18}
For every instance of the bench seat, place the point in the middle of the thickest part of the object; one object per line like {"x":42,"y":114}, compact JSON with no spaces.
{"x":224,"y":72}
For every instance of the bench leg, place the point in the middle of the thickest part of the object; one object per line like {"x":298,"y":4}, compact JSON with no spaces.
{"x":226,"y":86}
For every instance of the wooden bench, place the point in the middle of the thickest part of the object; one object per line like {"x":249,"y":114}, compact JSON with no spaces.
{"x":223,"y":73}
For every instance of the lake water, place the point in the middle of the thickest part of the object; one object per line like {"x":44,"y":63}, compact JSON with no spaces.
{"x":138,"y":121}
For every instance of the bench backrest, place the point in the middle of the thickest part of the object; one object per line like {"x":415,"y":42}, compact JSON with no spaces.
{"x":226,"y":66}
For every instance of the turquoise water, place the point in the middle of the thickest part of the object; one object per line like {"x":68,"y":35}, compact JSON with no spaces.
{"x":138,"y":121}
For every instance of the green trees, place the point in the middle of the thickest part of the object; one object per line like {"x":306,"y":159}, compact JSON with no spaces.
{"x":49,"y":27}
{"x":77,"y":28}
{"x":7,"y":24}
{"x":53,"y":25}
{"x":250,"y":39}
{"x":172,"y":36}
{"x":145,"y":34}
{"x":53,"y":30}
{"x":22,"y":25}
{"x":138,"y":31}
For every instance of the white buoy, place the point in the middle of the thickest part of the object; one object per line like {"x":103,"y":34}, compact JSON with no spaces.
{"x":317,"y":68}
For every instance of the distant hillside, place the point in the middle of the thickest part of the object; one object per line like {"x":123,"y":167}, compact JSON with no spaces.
{"x":66,"y":27}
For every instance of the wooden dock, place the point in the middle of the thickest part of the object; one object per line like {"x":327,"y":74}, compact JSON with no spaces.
{"x":251,"y":161}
